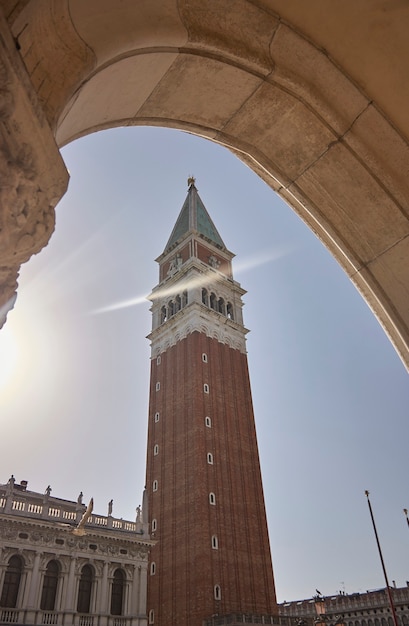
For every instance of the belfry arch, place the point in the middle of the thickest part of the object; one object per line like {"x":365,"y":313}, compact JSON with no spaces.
{"x":313,"y":99}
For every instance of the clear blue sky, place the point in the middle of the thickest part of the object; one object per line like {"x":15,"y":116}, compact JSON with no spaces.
{"x":331,"y":396}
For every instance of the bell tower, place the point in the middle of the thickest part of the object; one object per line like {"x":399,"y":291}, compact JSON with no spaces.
{"x":206,"y":503}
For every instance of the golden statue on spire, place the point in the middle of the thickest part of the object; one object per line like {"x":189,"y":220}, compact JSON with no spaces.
{"x":191,"y":181}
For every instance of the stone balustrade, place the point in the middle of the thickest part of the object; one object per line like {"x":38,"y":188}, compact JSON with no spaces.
{"x":59,"y":618}
{"x":245,"y":618}
{"x":15,"y":505}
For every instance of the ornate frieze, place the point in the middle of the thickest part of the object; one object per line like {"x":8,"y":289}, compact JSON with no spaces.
{"x":55,"y":541}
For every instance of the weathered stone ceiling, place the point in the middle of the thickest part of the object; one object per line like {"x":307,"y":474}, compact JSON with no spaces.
{"x":367,"y":39}
{"x":313,"y":95}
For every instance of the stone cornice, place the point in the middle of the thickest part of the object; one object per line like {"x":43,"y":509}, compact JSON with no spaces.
{"x":14,"y":524}
{"x":197,"y":318}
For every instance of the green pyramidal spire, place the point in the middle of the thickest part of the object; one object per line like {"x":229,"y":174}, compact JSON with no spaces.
{"x":194,"y":218}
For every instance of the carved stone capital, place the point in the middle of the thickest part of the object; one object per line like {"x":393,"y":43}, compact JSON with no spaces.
{"x":33,"y":176}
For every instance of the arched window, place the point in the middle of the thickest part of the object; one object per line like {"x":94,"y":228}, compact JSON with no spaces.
{"x":154,"y":525}
{"x":50,"y":584}
{"x":230,"y":311}
{"x":217,"y":592}
{"x":85,"y":589}
{"x":215,"y":543}
{"x":153,"y":568}
{"x":184,"y":298}
{"x":151,"y":616}
{"x":11,"y":585}
{"x":155,"y":449}
{"x":221,"y":307}
{"x":208,"y":422}
{"x":213,"y":301}
{"x":210,"y":458}
{"x":171,"y":308}
{"x":212,"y":498}
{"x":205,"y":297}
{"x":163,"y":315}
{"x":117,"y":593}
{"x":178,"y":304}
{"x":155,"y":485}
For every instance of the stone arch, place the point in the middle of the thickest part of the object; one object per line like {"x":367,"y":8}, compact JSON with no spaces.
{"x":10,"y":592}
{"x":229,"y":342}
{"x":117,"y":591}
{"x":86,"y":589}
{"x":50,"y":584}
{"x":203,"y":328}
{"x":289,"y":95}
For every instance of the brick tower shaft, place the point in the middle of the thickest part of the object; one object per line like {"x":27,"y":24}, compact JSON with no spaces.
{"x":206,"y":503}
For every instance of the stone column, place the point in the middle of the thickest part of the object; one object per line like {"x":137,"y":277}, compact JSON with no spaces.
{"x":102,"y":601}
{"x":134,"y":603}
{"x":3,"y":567}
{"x":33,"y":176}
{"x":127,"y":594}
{"x":143,"y":589}
{"x":194,"y":290}
{"x":31,"y":598}
{"x":60,"y":591}
{"x":68,"y":599}
{"x":33,"y":588}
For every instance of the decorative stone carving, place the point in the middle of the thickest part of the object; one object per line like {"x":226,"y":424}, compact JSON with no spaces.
{"x":28,"y":556}
{"x":79,"y":565}
{"x":129,"y":570}
{"x":64,"y":563}
{"x":214,"y":262}
{"x":98,"y":565}
{"x":139,"y":555}
{"x":8,"y":533}
{"x":7,"y":553}
{"x":175,"y":264}
{"x":33,"y":176}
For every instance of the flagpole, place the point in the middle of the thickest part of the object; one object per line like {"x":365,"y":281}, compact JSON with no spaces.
{"x":388,"y":589}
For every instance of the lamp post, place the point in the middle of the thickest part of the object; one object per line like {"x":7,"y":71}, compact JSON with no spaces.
{"x":395,"y":619}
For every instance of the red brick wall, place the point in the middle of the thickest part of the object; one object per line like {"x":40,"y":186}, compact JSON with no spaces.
{"x":187,"y":568}
{"x":203,"y":254}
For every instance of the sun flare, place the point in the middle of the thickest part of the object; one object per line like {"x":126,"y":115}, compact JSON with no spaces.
{"x":9,"y":354}
{"x":261,"y":258}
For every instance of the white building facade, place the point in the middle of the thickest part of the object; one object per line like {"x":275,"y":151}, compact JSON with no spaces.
{"x":52,"y":572}
{"x":371,"y":608}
